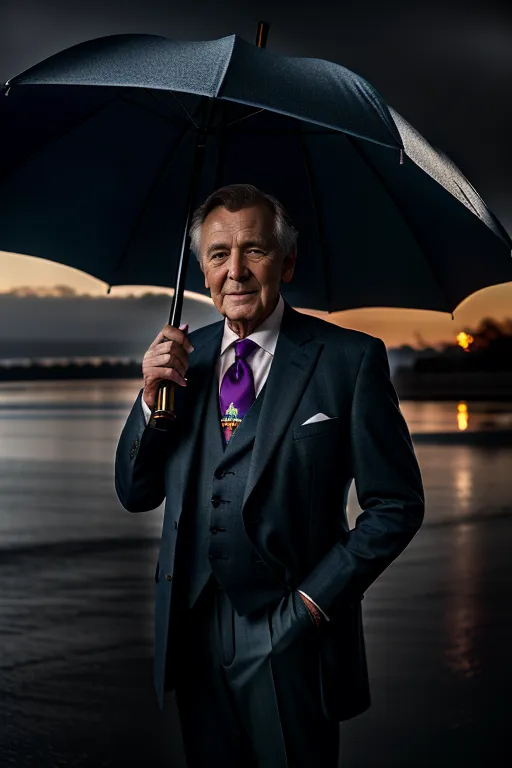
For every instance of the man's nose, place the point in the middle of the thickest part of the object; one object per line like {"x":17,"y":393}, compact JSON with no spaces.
{"x":237,"y":267}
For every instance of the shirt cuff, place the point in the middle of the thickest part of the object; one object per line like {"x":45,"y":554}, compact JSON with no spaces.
{"x":146,"y":410}
{"x":316,"y":606}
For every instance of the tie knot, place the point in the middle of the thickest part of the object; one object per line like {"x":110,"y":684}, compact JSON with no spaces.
{"x":244,"y":347}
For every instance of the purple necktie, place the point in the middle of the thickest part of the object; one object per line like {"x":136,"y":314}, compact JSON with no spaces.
{"x":237,"y":389}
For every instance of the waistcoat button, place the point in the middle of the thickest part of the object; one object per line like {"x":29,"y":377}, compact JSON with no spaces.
{"x":219,"y":473}
{"x":216,"y":529}
{"x":215,"y":501}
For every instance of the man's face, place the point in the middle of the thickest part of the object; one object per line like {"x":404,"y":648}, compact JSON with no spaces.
{"x":242,"y":263}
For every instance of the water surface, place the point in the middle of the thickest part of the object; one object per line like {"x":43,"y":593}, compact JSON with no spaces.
{"x":76,"y":601}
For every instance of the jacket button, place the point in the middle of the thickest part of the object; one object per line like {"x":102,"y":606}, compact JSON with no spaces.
{"x":168,"y":576}
{"x":219,"y":473}
{"x":215,"y":501}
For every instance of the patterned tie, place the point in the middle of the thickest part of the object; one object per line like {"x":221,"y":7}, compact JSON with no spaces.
{"x":237,"y":389}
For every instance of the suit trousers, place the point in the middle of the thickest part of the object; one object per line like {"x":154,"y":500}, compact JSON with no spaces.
{"x":243,"y":701}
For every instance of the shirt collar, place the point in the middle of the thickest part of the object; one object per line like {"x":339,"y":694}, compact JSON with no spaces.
{"x":265,"y":335}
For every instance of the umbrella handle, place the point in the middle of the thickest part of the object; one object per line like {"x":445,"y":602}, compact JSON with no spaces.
{"x":163,"y":414}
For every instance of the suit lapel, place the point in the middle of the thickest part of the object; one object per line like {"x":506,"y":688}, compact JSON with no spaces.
{"x":295,"y":357}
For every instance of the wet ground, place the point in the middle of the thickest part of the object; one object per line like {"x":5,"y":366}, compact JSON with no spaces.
{"x":76,"y":666}
{"x":76,"y":615}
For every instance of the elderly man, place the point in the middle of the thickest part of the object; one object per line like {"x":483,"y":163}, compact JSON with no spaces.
{"x":258,"y":622}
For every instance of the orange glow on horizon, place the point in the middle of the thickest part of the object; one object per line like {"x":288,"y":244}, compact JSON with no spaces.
{"x":464,"y":340}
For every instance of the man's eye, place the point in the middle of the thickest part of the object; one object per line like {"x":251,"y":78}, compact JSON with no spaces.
{"x":221,"y":254}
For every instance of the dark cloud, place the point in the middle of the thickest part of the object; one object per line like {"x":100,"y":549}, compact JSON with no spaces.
{"x":89,"y":326}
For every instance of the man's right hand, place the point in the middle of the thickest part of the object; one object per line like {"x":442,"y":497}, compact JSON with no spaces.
{"x":165,"y":360}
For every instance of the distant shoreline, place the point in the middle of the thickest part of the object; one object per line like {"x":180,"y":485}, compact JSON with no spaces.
{"x":71,"y":371}
{"x":471,"y":386}
{"x":453,"y":385}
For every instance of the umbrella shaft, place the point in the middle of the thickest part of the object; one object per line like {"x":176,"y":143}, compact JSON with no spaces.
{"x":181,"y":273}
{"x":163,"y":415}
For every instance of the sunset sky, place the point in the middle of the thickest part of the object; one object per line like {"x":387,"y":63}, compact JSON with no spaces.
{"x":444,"y":65}
{"x":394,"y":326}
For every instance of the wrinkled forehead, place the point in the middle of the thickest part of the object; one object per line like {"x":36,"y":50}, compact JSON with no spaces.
{"x":253,"y":220}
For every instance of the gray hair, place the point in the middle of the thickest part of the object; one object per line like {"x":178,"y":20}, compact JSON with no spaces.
{"x":234,"y":197}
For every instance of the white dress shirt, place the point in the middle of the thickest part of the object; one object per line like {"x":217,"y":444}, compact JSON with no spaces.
{"x":260,"y":360}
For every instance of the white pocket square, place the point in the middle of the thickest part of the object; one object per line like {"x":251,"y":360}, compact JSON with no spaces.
{"x":317,"y":417}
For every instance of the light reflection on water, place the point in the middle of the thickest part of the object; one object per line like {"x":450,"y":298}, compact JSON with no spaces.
{"x":85,"y":393}
{"x":462,"y":608}
{"x":58,"y":396}
{"x":451,"y":416}
{"x":78,"y":423}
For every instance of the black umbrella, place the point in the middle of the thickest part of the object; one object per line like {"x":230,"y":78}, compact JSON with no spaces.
{"x":109,"y":145}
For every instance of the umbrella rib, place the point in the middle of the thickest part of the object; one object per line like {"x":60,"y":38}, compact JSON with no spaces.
{"x":330,"y":128}
{"x":78,"y":123}
{"x":184,"y":108}
{"x":257,"y":112}
{"x":169,"y":118}
{"x":377,"y":175}
{"x":476,"y":212}
{"x":142,"y":211}
{"x":499,"y":226}
{"x":312,"y":187}
{"x":160,"y":102}
{"x":57,"y":137}
{"x":283,"y":132}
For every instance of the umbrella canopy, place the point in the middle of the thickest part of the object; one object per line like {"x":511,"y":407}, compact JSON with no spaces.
{"x":98,"y":143}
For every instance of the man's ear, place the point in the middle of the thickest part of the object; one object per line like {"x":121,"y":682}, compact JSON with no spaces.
{"x":289,"y":265}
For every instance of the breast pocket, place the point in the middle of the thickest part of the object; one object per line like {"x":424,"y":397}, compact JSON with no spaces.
{"x":325,"y":427}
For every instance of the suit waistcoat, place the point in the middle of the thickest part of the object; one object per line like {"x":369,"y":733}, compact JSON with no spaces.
{"x":211,"y":536}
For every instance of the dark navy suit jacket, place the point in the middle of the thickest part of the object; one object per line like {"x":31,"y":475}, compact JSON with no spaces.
{"x":294,"y":504}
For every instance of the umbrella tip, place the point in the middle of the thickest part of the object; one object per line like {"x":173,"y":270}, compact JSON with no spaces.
{"x":262,"y":34}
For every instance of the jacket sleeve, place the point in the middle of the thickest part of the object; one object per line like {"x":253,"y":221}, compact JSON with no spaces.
{"x":388,"y":485}
{"x":140,"y":462}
